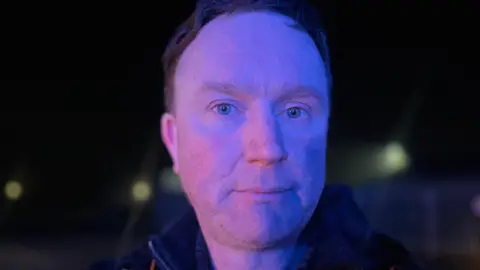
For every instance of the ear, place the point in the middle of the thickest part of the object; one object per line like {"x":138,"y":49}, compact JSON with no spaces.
{"x":168,"y":129}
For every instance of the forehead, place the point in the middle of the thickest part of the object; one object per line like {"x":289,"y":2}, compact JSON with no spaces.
{"x":253,"y":50}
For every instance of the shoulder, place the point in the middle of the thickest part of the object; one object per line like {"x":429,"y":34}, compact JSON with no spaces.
{"x":383,"y":250}
{"x":139,"y":259}
{"x":339,"y":222}
{"x":175,"y":244}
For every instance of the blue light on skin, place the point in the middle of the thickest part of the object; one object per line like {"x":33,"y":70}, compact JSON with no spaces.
{"x":248,"y":136}
{"x":226,"y":109}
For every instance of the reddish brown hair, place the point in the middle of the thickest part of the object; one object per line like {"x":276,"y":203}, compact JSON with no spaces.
{"x":306,"y":18}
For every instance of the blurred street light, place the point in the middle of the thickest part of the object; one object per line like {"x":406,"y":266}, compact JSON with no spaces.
{"x":475,"y":205}
{"x":170,"y":182}
{"x":141,"y":191}
{"x":392,"y":159}
{"x":396,"y":158}
{"x":13,"y":190}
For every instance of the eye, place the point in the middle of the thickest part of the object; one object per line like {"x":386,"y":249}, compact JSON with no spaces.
{"x":223,"y":108}
{"x":294,"y":112}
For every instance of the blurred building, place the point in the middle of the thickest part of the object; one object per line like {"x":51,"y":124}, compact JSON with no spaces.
{"x":430,"y":216}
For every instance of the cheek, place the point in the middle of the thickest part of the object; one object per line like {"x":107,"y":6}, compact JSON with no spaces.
{"x":309,"y":156}
{"x":196,"y":160}
{"x":203,"y":161}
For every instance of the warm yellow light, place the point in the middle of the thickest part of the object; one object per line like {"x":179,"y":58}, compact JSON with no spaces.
{"x":141,"y":191}
{"x":13,"y":190}
{"x":396,"y":158}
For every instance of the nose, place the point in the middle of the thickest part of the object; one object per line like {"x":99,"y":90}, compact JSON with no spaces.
{"x":263,"y":142}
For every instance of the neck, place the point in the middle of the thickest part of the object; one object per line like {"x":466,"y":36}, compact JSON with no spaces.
{"x":226,"y":257}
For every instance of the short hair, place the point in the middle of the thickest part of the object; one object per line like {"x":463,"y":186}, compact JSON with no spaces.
{"x":306,"y":19}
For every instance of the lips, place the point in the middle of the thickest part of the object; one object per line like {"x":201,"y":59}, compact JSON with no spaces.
{"x":264,"y":190}
{"x":263,"y":195}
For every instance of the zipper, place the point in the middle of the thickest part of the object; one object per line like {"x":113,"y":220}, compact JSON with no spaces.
{"x":161,"y":261}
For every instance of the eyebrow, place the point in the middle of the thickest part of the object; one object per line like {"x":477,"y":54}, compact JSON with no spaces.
{"x":286,"y":92}
{"x":222,"y":88}
{"x":301,"y":91}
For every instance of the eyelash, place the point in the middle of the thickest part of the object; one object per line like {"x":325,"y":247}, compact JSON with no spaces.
{"x":303,"y":111}
{"x":216,"y":105}
{"x":301,"y":108}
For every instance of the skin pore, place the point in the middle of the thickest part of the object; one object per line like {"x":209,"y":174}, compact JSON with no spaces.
{"x":248,"y":137}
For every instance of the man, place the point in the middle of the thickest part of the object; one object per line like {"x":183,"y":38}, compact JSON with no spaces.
{"x":247,"y":90}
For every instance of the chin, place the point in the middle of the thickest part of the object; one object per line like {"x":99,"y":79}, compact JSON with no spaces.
{"x":264,"y":242}
{"x":266,"y":234}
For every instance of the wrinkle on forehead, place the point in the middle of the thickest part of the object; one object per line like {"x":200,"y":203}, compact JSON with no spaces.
{"x":259,"y":49}
{"x":246,"y":32}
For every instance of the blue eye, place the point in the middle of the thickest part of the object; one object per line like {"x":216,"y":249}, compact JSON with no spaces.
{"x":294,"y":112}
{"x":223,"y":109}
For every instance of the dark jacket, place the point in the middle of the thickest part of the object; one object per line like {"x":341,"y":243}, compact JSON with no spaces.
{"x":338,"y":237}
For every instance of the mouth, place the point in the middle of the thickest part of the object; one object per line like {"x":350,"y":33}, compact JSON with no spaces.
{"x":264,"y":195}
{"x":265,"y":191}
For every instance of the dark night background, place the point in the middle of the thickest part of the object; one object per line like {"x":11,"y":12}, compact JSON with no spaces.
{"x":82,"y":97}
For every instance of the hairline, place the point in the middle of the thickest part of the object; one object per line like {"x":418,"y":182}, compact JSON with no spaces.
{"x":170,"y":73}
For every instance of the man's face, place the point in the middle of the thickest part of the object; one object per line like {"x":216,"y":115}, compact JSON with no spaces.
{"x":248,"y":136}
